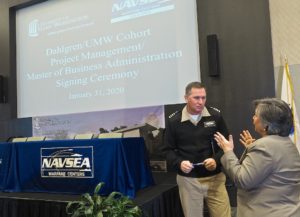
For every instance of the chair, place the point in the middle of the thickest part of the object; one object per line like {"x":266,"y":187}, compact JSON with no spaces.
{"x":48,"y":138}
{"x":19,"y":139}
{"x":84,"y":136}
{"x":110,"y":135}
{"x":35,"y":138}
{"x":132,"y":133}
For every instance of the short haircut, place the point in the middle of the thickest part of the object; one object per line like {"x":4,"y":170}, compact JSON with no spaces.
{"x":195,"y":84}
{"x":275,"y":115}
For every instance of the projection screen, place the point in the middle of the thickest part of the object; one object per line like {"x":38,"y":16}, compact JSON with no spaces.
{"x":78,"y":56}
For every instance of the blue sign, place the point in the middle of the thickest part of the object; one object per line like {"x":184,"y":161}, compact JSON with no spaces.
{"x":67,"y":162}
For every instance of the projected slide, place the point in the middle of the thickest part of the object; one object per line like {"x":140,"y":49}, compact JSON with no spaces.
{"x":80,"y":56}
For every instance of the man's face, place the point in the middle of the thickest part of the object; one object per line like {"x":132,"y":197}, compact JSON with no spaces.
{"x":196,"y":100}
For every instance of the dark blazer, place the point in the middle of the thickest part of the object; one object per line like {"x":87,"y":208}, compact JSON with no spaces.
{"x":267,"y":178}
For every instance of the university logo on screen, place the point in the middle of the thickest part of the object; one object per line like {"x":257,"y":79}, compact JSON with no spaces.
{"x":67,"y":162}
{"x":33,"y":28}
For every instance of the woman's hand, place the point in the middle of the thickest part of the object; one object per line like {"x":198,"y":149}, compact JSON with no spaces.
{"x":246,"y":138}
{"x":226,"y":145}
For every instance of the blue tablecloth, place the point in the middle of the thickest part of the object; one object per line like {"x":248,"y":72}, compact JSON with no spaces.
{"x":5,"y":159}
{"x":75,"y":166}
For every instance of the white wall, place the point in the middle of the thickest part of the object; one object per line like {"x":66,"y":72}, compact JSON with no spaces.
{"x":285,"y":29}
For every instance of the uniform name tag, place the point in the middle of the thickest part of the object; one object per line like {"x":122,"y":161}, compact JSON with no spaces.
{"x":210,"y":124}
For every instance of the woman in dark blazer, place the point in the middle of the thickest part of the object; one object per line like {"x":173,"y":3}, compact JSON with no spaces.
{"x":268,"y":174}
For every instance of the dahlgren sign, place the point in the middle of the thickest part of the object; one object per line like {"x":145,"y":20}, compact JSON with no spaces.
{"x":67,"y":162}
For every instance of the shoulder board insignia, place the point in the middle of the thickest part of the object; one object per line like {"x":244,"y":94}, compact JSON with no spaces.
{"x":172,"y":115}
{"x":215,"y":109}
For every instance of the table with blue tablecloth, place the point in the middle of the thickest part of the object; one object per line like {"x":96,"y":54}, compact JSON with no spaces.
{"x":75,"y":166}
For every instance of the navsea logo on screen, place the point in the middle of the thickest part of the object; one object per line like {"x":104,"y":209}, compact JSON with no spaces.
{"x":67,"y":162}
{"x":130,"y":9}
{"x":33,"y":28}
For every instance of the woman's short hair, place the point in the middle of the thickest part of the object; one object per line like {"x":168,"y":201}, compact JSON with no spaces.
{"x":275,"y":115}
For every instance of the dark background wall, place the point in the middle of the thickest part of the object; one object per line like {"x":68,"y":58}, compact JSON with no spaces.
{"x":245,"y":51}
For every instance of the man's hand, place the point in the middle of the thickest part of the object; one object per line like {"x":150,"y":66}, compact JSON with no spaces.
{"x":210,"y":164}
{"x":186,"y":166}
